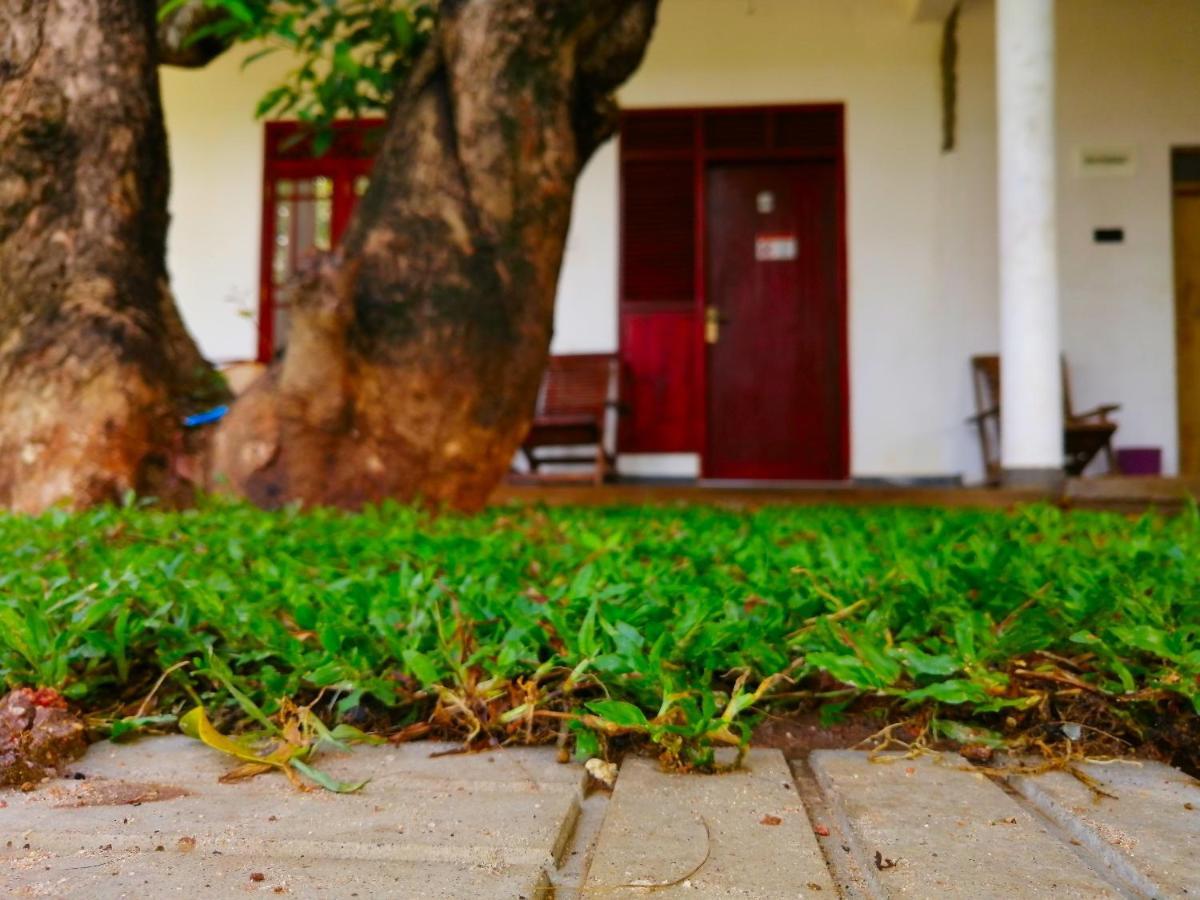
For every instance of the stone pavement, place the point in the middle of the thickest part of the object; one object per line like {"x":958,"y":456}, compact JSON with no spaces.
{"x":149,"y":819}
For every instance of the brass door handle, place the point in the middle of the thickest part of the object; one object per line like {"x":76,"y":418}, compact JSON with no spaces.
{"x":712,"y":324}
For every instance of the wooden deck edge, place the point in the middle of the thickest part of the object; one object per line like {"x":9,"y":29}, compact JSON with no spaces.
{"x":1118,"y":494}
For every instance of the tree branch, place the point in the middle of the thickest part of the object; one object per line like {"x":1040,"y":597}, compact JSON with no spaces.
{"x":606,"y":60}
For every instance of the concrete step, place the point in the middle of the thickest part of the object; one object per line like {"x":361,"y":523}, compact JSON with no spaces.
{"x":930,"y":827}
{"x":1144,"y":827}
{"x":742,"y":834}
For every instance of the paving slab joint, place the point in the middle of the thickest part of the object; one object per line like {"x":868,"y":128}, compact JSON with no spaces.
{"x":832,"y":835}
{"x":857,"y":864}
{"x":1104,"y":858}
{"x":932,"y":825}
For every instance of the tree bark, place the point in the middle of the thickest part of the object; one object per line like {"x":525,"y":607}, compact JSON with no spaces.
{"x":96,"y":367}
{"x":415,"y":353}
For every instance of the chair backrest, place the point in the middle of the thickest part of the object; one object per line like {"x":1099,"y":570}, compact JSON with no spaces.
{"x":985,"y":369}
{"x":985,"y":377}
{"x":577,"y":384}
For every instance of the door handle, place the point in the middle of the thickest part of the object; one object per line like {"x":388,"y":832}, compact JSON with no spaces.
{"x":712,"y":324}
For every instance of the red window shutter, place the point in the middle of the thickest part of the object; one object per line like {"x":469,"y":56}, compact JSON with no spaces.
{"x":817,"y":128}
{"x":658,"y":132}
{"x":659,"y":342}
{"x":736,"y":130}
{"x":658,"y":231}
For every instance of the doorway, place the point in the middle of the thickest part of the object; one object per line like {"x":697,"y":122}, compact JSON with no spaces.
{"x":733,"y":290}
{"x":1185,"y":178}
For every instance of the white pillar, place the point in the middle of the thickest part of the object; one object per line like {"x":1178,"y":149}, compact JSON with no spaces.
{"x":1031,"y":381}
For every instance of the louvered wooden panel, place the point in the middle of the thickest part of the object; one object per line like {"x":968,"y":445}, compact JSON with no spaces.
{"x":659,"y":396}
{"x":814,"y":128}
{"x":658,"y":131}
{"x":658,"y":231}
{"x":736,"y":130}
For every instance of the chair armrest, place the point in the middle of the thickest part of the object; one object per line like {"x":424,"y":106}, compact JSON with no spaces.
{"x":986,"y":414}
{"x":1101,"y":412}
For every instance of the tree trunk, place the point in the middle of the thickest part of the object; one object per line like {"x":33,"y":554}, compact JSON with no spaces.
{"x":95,"y":365}
{"x":415,"y":353}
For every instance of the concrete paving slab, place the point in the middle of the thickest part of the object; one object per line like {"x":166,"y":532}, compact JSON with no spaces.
{"x":500,"y":819}
{"x":1147,"y":832}
{"x":120,"y":874}
{"x":743,"y":834}
{"x":926,"y":827}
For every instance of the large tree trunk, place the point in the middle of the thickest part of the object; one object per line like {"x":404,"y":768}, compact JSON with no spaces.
{"x":95,"y":365}
{"x":415,"y":353}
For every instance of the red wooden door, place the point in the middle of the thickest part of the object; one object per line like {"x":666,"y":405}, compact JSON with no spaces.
{"x":775,"y":389}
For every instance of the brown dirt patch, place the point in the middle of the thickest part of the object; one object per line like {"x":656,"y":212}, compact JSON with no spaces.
{"x":114,"y":792}
{"x":800,"y":733}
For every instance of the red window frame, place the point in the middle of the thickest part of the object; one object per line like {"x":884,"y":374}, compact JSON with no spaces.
{"x":289,"y":154}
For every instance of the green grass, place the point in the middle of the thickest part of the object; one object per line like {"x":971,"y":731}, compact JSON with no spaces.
{"x":521,"y":624}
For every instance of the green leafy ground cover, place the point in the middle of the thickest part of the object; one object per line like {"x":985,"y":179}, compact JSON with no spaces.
{"x":600,"y":625}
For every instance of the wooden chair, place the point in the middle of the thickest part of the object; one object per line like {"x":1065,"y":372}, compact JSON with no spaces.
{"x":1085,"y":434}
{"x":576,"y":394}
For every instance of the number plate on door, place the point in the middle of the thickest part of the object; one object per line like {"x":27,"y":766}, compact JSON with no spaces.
{"x":775,"y":247}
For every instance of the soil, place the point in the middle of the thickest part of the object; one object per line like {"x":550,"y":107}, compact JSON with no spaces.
{"x":1173,"y":738}
{"x":798,"y":734}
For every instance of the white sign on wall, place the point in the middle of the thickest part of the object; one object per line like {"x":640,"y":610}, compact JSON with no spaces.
{"x":1105,"y":162}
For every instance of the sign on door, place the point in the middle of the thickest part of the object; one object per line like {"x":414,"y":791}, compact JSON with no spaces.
{"x":775,"y":247}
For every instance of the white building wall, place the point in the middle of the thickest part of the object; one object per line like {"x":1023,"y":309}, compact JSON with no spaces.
{"x":1127,"y":71}
{"x":1131,"y":81}
{"x":965,"y":244}
{"x":216,"y":148}
{"x":921,"y":225}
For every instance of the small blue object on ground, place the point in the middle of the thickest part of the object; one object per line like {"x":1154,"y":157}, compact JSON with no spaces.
{"x":205,"y":418}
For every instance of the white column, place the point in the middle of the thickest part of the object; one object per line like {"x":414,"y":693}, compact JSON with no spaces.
{"x":1031,"y":382}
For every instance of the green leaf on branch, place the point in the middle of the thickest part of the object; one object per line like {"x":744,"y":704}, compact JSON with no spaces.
{"x":352,"y":56}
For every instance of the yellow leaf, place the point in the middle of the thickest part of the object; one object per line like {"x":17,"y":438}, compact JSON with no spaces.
{"x":195,"y":724}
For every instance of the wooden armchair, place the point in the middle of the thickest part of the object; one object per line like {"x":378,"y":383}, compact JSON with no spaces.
{"x":1085,"y":434}
{"x":572,"y":411}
